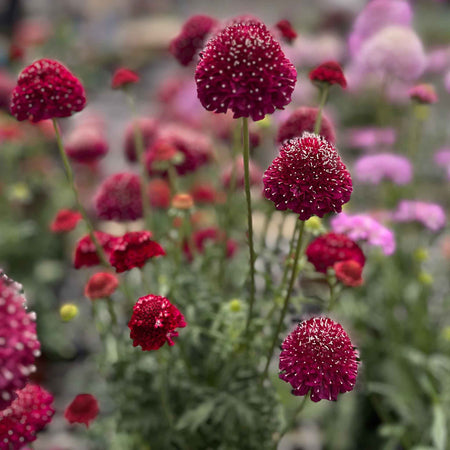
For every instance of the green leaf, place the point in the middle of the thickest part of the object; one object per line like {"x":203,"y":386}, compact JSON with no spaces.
{"x":439,"y":427}
{"x":194,"y":418}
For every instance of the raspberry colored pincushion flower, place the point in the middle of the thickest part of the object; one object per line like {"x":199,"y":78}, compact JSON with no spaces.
{"x":19,"y":344}
{"x":83,"y":409}
{"x":286,"y":30}
{"x":101,"y":285}
{"x":86,"y":253}
{"x":331,"y":248}
{"x":319,"y":358}
{"x":349,"y":272}
{"x":148,"y":128}
{"x":303,"y":119}
{"x":134,"y":249}
{"x":159,"y":193}
{"x":329,"y":72}
{"x":244,"y":69}
{"x":191,"y":38}
{"x":123,"y":77}
{"x":308,"y":177}
{"x":86,"y":145}
{"x":46,"y":90}
{"x":119,"y":198}
{"x":30,"y":412}
{"x":65,"y":220}
{"x":154,"y":321}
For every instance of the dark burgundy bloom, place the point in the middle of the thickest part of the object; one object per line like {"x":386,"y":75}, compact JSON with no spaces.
{"x":318,"y":357}
{"x":308,"y":177}
{"x":86,"y":253}
{"x":28,"y":414}
{"x":191,"y":38}
{"x":303,"y":119}
{"x":119,"y":198}
{"x":329,"y":72}
{"x":101,"y":285}
{"x":244,"y":69}
{"x":256,"y":174}
{"x":86,"y":145}
{"x":46,"y":90}
{"x":83,"y":409}
{"x":65,"y":220}
{"x":154,"y":321}
{"x":288,"y":33}
{"x":349,"y":272}
{"x":331,"y":248}
{"x":134,"y":249}
{"x":123,"y":77}
{"x":148,"y":127}
{"x":159,"y":193}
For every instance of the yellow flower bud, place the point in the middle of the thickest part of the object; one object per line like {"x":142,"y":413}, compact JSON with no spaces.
{"x":425,"y":278}
{"x":235,"y":305}
{"x":68,"y":312}
{"x":421,"y":254}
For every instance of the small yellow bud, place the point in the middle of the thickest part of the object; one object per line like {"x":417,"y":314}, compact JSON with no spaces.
{"x":68,"y":312}
{"x":264,"y":123}
{"x":425,"y":278}
{"x":235,"y":305}
{"x":421,"y":254}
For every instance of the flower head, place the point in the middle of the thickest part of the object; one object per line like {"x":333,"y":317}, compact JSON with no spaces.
{"x":134,"y":249}
{"x":204,"y":193}
{"x":442,"y":159}
{"x":371,"y":137}
{"x":46,"y":90}
{"x":303,"y":119}
{"x":182,"y":201}
{"x":349,"y":272}
{"x":154,"y":321}
{"x":286,"y":30}
{"x":28,"y":414}
{"x":86,"y":253}
{"x":83,"y":409}
{"x":328,"y":249}
{"x":308,"y":177}
{"x":373,"y":169}
{"x":68,"y":312}
{"x":19,"y":345}
{"x":329,"y":72}
{"x":423,"y":93}
{"x":431,"y":215}
{"x":159,"y":193}
{"x":101,"y":285}
{"x":86,"y":145}
{"x":123,"y":77}
{"x":148,"y":127}
{"x":244,"y":69}
{"x":119,"y":198}
{"x":318,"y":357}
{"x":65,"y":220}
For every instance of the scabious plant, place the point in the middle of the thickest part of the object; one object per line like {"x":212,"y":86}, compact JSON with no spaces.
{"x":431,"y":215}
{"x":373,"y":169}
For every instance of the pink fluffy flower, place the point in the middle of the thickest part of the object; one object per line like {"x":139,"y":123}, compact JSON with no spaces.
{"x":65,"y":220}
{"x":442,"y":159}
{"x":308,"y":177}
{"x":123,"y":77}
{"x":370,"y":137}
{"x":244,"y":69}
{"x":423,"y":93}
{"x":431,"y":215}
{"x":286,"y":30}
{"x":82,"y":409}
{"x":148,"y":127}
{"x":19,"y":345}
{"x":86,"y":253}
{"x":319,"y":358}
{"x":329,"y":72}
{"x":373,"y":169}
{"x":86,"y":144}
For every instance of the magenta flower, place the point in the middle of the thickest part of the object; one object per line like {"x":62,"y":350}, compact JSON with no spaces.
{"x":370,"y":137}
{"x":318,"y":357}
{"x":373,"y":169}
{"x":431,"y":215}
{"x":442,"y":159}
{"x":423,"y":93}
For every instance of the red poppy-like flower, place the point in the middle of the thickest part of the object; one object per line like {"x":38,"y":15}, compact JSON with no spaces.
{"x":86,"y":253}
{"x":191,"y":38}
{"x":101,"y":285}
{"x":303,"y":119}
{"x":285,"y":27}
{"x":318,"y":357}
{"x":123,"y":77}
{"x":83,"y":409}
{"x":256,"y":174}
{"x":162,"y":150}
{"x":46,"y":90}
{"x":159,"y":193}
{"x":28,"y":414}
{"x":423,"y":93}
{"x":308,"y":177}
{"x":119,"y":198}
{"x":19,"y":344}
{"x":65,"y":220}
{"x":329,"y":72}
{"x":331,"y":248}
{"x":86,"y":144}
{"x":244,"y":69}
{"x":148,"y":128}
{"x":204,"y":194}
{"x":134,"y":249}
{"x":154,"y":321}
{"x":349,"y":272}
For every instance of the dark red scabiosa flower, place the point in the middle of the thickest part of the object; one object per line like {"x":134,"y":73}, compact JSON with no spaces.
{"x":303,"y":119}
{"x":159,"y":193}
{"x":318,"y":357}
{"x":308,"y":177}
{"x":65,"y":220}
{"x":148,"y":127}
{"x":206,"y":236}
{"x":119,"y":198}
{"x":123,"y":77}
{"x":7,"y":84}
{"x":329,"y":72}
{"x":28,"y":414}
{"x":244,"y":69}
{"x":204,"y":193}
{"x":286,"y":30}
{"x":86,"y":145}
{"x":191,"y":38}
{"x":162,"y":150}
{"x":134,"y":249}
{"x":256,"y":174}
{"x":46,"y":90}
{"x":423,"y":93}
{"x":154,"y":321}
{"x":331,"y":248}
{"x":83,"y":409}
{"x":349,"y":272}
{"x":101,"y":285}
{"x":19,"y":345}
{"x":86,"y":253}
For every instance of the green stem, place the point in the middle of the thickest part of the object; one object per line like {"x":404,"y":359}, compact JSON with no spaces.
{"x":172,"y":173}
{"x":246,"y":155}
{"x":323,"y":99}
{"x":293,"y":420}
{"x":286,"y":299}
{"x":163,"y":390}
{"x":112,"y":312}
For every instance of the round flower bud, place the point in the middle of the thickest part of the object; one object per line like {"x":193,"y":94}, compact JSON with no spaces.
{"x":68,"y":312}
